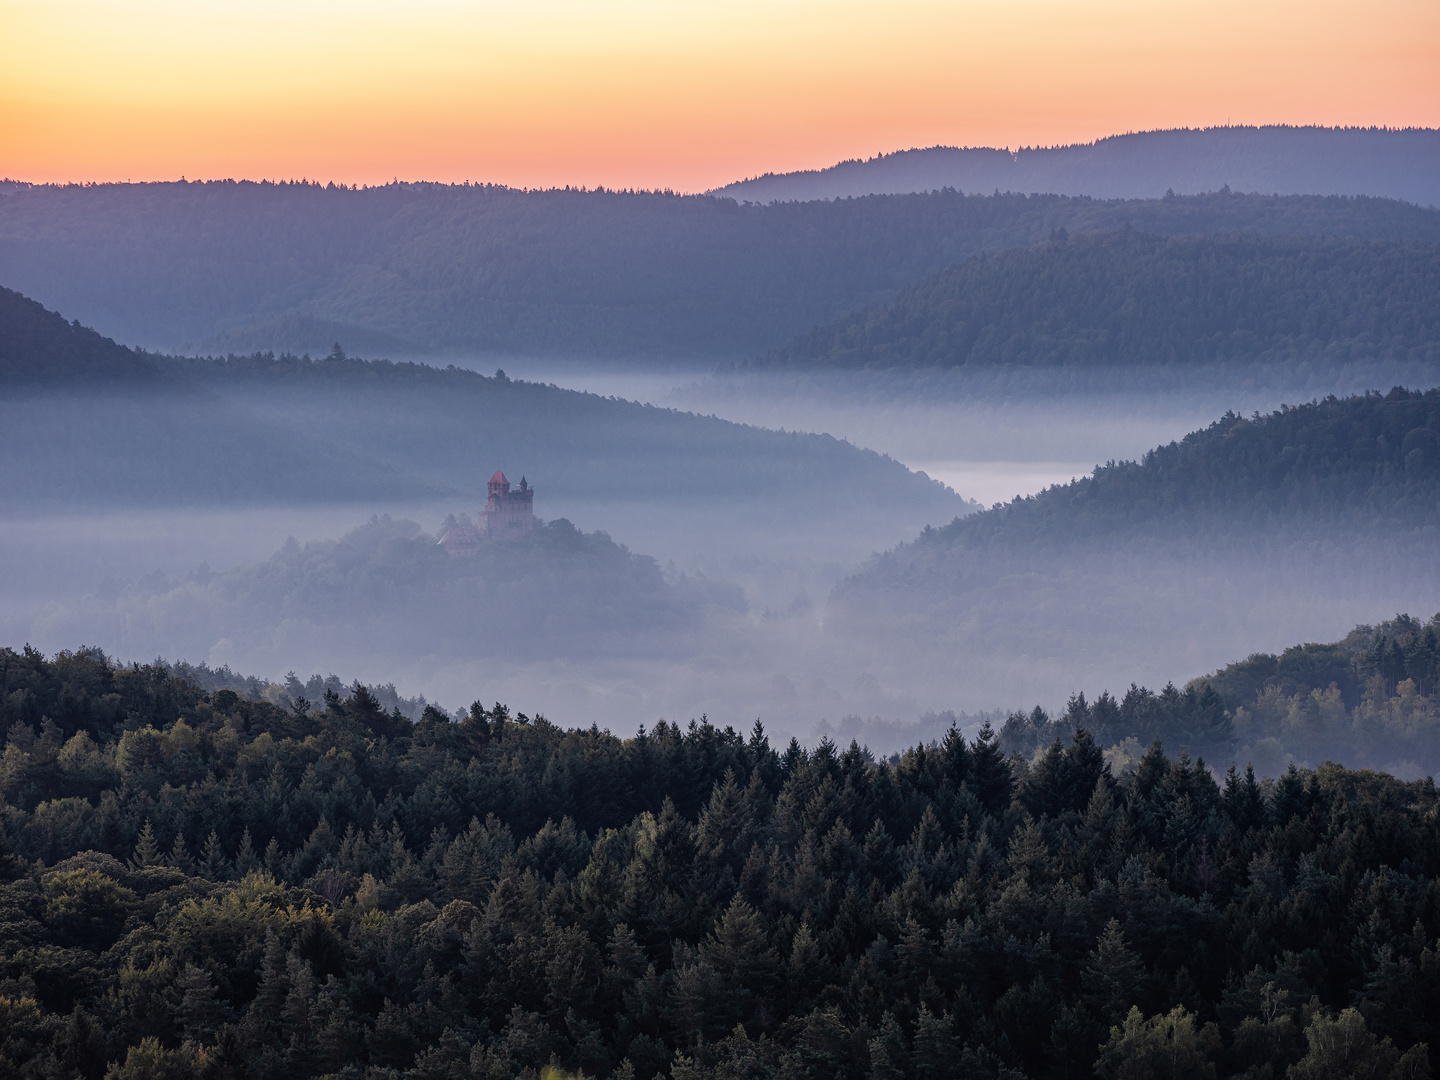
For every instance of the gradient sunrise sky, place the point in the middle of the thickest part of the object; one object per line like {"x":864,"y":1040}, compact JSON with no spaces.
{"x":681,"y":95}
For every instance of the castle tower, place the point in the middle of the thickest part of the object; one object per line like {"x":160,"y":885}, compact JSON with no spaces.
{"x":508,"y":515}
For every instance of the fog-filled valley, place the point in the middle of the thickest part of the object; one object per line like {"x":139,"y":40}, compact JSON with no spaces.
{"x":454,"y":632}
{"x":734,"y":539}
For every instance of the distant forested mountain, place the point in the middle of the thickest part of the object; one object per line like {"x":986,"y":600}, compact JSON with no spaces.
{"x":422,"y":268}
{"x":1395,"y":164}
{"x":195,"y":885}
{"x":1127,"y":298}
{"x":39,"y":348}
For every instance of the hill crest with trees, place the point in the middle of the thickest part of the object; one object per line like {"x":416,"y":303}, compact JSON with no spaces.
{"x":199,"y":885}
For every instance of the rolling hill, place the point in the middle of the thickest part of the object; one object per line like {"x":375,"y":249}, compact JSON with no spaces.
{"x":266,"y":429}
{"x":1243,"y":536}
{"x":1126,"y":298}
{"x":431,"y":269}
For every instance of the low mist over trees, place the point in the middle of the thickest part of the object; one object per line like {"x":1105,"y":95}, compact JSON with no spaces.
{"x":388,"y":588}
{"x":1126,"y":298}
{"x":1371,"y":699}
{"x":235,"y":267}
{"x":202,"y":885}
{"x":105,"y":425}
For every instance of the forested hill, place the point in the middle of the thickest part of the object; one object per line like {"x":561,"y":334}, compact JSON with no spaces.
{"x":200,"y":886}
{"x":1127,"y":298}
{"x":424,"y":268}
{"x":38,"y":347}
{"x":1326,"y":161}
{"x":1368,"y":463}
{"x":387,"y":592}
{"x":1370,"y":700}
{"x":278,"y":429}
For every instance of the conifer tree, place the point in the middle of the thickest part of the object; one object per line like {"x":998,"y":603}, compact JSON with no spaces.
{"x":147,"y":851}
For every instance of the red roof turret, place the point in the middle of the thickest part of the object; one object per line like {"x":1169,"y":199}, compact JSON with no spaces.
{"x":498,"y":478}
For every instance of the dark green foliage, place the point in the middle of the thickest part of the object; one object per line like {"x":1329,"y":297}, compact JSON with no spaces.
{"x":498,"y":896}
{"x":1125,"y":298}
{"x":428,"y":267}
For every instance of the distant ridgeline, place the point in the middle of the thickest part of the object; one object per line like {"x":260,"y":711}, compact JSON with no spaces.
{"x":426,"y":268}
{"x":1371,"y":700}
{"x":1127,"y":298}
{"x":1397,"y":164}
{"x":196,"y":886}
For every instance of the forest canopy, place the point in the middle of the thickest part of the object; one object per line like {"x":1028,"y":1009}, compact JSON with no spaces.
{"x":197,"y":885}
{"x":1126,"y":298}
{"x":434,"y":269}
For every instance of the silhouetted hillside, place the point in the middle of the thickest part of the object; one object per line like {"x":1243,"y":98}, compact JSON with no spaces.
{"x":1288,"y":160}
{"x":283,"y":429}
{"x":40,"y":347}
{"x":1126,"y":298}
{"x":239,"y":267}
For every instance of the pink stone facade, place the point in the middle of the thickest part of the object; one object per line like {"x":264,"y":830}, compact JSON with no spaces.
{"x":508,"y":514}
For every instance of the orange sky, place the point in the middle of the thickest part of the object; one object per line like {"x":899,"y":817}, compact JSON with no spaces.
{"x":685,"y":95}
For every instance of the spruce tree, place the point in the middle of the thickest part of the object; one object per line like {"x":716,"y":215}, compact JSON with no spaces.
{"x":147,"y":851}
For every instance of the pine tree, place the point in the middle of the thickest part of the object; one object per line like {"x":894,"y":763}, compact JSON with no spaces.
{"x":179,"y":858}
{"x":199,"y":1009}
{"x":1112,"y":975}
{"x":245,"y":860}
{"x":147,"y":851}
{"x":990,"y":775}
{"x":214,"y":866}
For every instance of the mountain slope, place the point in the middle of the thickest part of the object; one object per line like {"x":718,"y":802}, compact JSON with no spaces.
{"x":38,"y":347}
{"x":1370,"y":463}
{"x":1241,"y":537}
{"x":1290,"y":160}
{"x":411,"y":268}
{"x":1126,"y":298}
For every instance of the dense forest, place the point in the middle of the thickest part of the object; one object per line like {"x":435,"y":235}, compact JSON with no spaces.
{"x":1370,"y":699}
{"x":424,"y":268}
{"x":1126,"y":298}
{"x":1394,"y":163}
{"x":200,"y":885}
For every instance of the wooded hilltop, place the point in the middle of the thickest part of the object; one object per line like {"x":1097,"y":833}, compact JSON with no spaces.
{"x":201,"y":885}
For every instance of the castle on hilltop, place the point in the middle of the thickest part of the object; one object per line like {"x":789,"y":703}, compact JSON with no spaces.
{"x":508,"y":514}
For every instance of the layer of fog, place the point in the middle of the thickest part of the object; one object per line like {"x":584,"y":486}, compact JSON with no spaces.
{"x":1035,"y":637}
